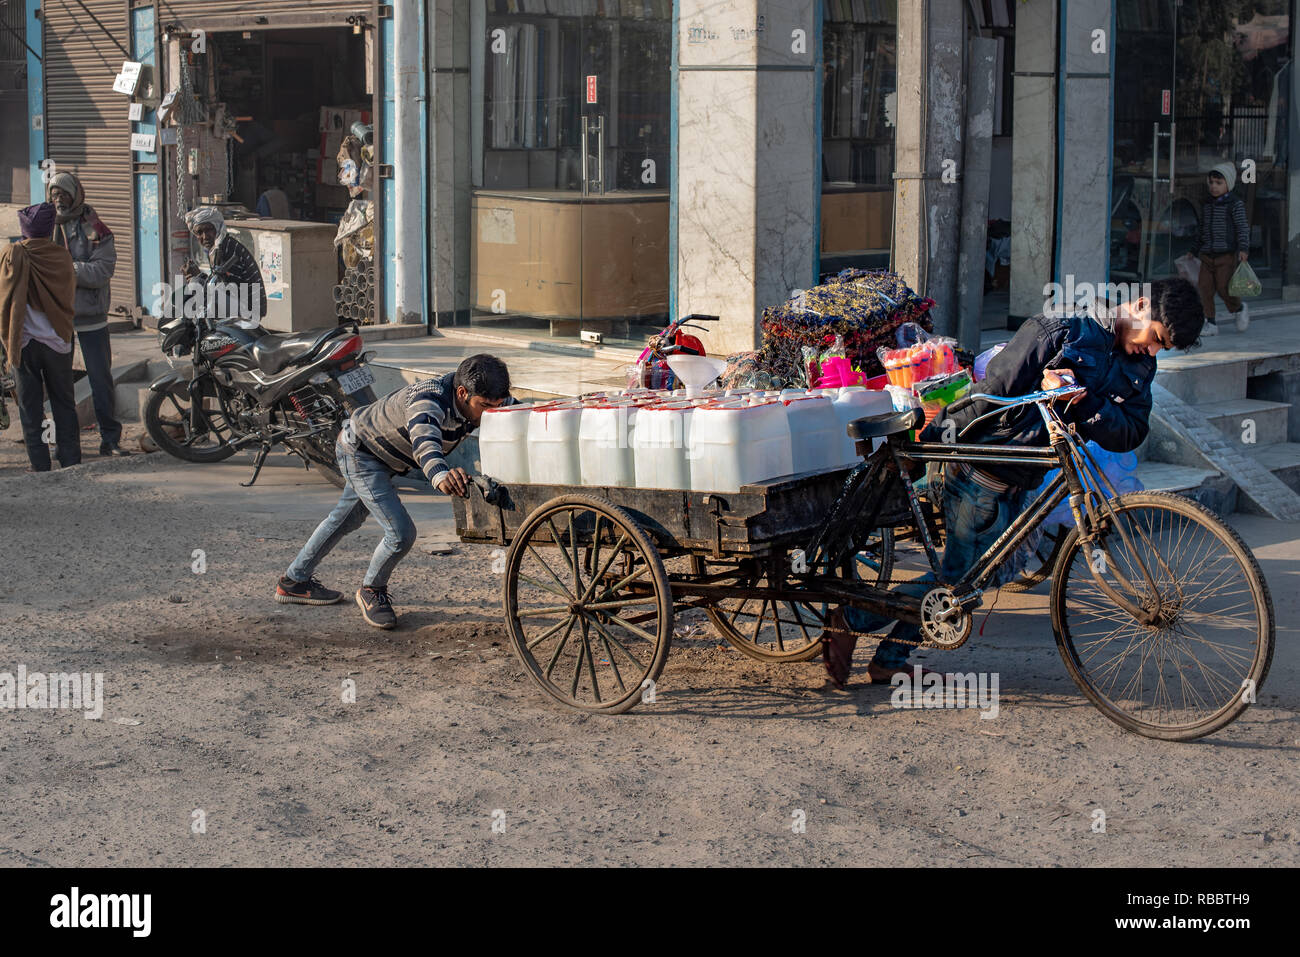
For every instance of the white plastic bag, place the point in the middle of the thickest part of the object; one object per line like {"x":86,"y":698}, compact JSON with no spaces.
{"x":1189,"y":267}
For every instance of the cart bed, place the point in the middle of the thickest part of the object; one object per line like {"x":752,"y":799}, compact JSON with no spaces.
{"x":758,"y":518}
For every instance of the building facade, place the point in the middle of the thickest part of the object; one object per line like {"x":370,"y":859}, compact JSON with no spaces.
{"x":558,"y":167}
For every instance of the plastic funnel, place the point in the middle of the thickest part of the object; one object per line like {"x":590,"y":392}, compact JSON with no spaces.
{"x":697,"y":372}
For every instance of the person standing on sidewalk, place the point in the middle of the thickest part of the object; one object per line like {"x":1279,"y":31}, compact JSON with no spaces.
{"x":414,"y":427}
{"x":1222,"y":244}
{"x":38,"y":288}
{"x":80,"y":231}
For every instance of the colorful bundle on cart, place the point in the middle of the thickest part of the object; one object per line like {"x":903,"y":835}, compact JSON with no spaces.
{"x":647,"y":439}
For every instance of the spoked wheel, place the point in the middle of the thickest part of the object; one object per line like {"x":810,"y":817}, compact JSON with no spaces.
{"x":779,"y":630}
{"x":167,"y":420}
{"x":1203,"y":659}
{"x":1044,"y":560}
{"x":588,"y":604}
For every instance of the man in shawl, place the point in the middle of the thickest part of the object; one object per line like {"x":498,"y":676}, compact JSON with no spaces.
{"x":80,"y":231}
{"x":233,"y":289}
{"x":38,"y":288}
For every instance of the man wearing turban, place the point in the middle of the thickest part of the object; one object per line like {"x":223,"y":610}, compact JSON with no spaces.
{"x":234,"y":281}
{"x":38,"y":288}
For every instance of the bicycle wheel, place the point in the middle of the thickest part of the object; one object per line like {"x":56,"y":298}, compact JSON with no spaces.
{"x":1204,"y":658}
{"x":778,"y":630}
{"x":1044,"y":560}
{"x":588,"y":605}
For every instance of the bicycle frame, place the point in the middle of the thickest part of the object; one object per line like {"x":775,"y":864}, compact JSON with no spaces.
{"x":1080,"y":479}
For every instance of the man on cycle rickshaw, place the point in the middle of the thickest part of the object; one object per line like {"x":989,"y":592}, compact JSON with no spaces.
{"x":1111,"y":352}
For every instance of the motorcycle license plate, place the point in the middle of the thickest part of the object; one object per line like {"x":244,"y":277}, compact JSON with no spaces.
{"x":356,"y":380}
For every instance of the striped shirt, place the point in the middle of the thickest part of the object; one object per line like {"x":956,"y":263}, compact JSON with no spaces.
{"x":1224,"y":228}
{"x":416,"y":426}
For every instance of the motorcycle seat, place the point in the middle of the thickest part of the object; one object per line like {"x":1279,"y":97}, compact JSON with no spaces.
{"x":274,"y":352}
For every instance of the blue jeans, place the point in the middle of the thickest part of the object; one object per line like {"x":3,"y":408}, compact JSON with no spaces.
{"x":369,"y":491}
{"x":97,"y":353}
{"x":973,"y":517}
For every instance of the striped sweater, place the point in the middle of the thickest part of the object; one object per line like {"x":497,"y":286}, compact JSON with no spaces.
{"x":415,"y":426}
{"x":1223,"y":227}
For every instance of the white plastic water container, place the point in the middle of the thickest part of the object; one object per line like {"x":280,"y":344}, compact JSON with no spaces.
{"x":814,"y":433}
{"x":734,"y":443}
{"x":661,"y":444}
{"x":553,"y":455}
{"x":856,"y":402}
{"x":604,"y":444}
{"x":503,"y":443}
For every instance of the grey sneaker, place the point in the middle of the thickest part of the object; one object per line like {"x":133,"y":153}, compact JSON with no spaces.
{"x":1210,"y":328}
{"x":377,"y":607}
{"x":310,"y":592}
{"x":1243,"y":318}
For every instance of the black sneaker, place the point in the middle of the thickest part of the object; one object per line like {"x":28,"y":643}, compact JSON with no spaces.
{"x":310,"y":592}
{"x":376,"y":607}
{"x":112,"y":448}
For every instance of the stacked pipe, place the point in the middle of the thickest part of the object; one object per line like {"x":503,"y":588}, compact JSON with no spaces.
{"x":354,"y":297}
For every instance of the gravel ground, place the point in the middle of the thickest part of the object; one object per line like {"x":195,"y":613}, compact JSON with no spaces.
{"x":219,"y":700}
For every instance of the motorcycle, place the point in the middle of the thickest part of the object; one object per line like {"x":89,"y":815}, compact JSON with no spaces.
{"x":249,"y":387}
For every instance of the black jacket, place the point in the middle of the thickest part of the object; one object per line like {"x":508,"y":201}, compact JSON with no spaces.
{"x":1114,"y":413}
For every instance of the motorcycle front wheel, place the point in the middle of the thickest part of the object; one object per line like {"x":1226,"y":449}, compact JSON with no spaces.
{"x":167,"y":420}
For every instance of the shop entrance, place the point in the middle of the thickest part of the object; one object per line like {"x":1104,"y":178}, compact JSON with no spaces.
{"x":278,"y":106}
{"x":570,"y":121}
{"x":1213,"y":80}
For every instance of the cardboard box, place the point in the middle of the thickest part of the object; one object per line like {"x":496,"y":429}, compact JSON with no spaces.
{"x":844,"y":222}
{"x":879,"y":218}
{"x":564,"y":260}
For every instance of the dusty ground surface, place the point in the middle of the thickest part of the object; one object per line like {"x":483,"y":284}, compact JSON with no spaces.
{"x":218,"y":699}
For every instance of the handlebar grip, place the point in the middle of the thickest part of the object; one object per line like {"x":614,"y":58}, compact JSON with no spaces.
{"x":961,"y":403}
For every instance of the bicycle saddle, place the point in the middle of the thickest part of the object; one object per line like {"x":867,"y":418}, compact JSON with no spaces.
{"x":887,"y":423}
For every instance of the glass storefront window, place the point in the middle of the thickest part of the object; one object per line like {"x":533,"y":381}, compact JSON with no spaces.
{"x":572,"y":107}
{"x":859,"y":120}
{"x":1198,"y":83}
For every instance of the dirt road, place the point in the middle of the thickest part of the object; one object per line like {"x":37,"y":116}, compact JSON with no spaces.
{"x":219,"y":701}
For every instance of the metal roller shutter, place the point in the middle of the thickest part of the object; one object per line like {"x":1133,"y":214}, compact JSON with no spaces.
{"x":87,"y":129}
{"x":284,"y":13}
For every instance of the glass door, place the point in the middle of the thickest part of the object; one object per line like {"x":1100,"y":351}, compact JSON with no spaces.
{"x":1198,"y":83}
{"x":571,"y":121}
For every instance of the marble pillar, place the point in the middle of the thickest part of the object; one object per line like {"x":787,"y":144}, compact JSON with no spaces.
{"x":1033,"y":155}
{"x":449,"y":162}
{"x":1084,"y":168}
{"x":745,"y":180}
{"x":1291,"y":282}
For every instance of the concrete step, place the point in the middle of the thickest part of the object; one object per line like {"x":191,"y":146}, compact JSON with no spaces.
{"x":1281,"y":386}
{"x":1283,"y":460}
{"x":128,"y":399}
{"x":1204,"y":382}
{"x":1163,"y":477}
{"x":1210,"y":488}
{"x":1251,"y":423}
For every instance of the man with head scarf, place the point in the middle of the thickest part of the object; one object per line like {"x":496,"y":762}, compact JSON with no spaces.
{"x":38,"y":287}
{"x":233,"y":290}
{"x":80,"y":231}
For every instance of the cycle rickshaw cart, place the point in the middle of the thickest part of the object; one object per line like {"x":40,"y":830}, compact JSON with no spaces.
{"x":1160,"y":611}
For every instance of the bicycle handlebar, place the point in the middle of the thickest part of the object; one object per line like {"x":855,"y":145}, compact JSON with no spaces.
{"x":1048,"y":395}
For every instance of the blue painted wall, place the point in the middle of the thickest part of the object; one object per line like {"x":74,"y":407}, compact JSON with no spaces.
{"x":35,"y":101}
{"x":148,"y":211}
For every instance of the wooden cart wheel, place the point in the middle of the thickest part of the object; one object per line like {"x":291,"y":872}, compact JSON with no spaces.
{"x":588,"y":604}
{"x":769,"y":630}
